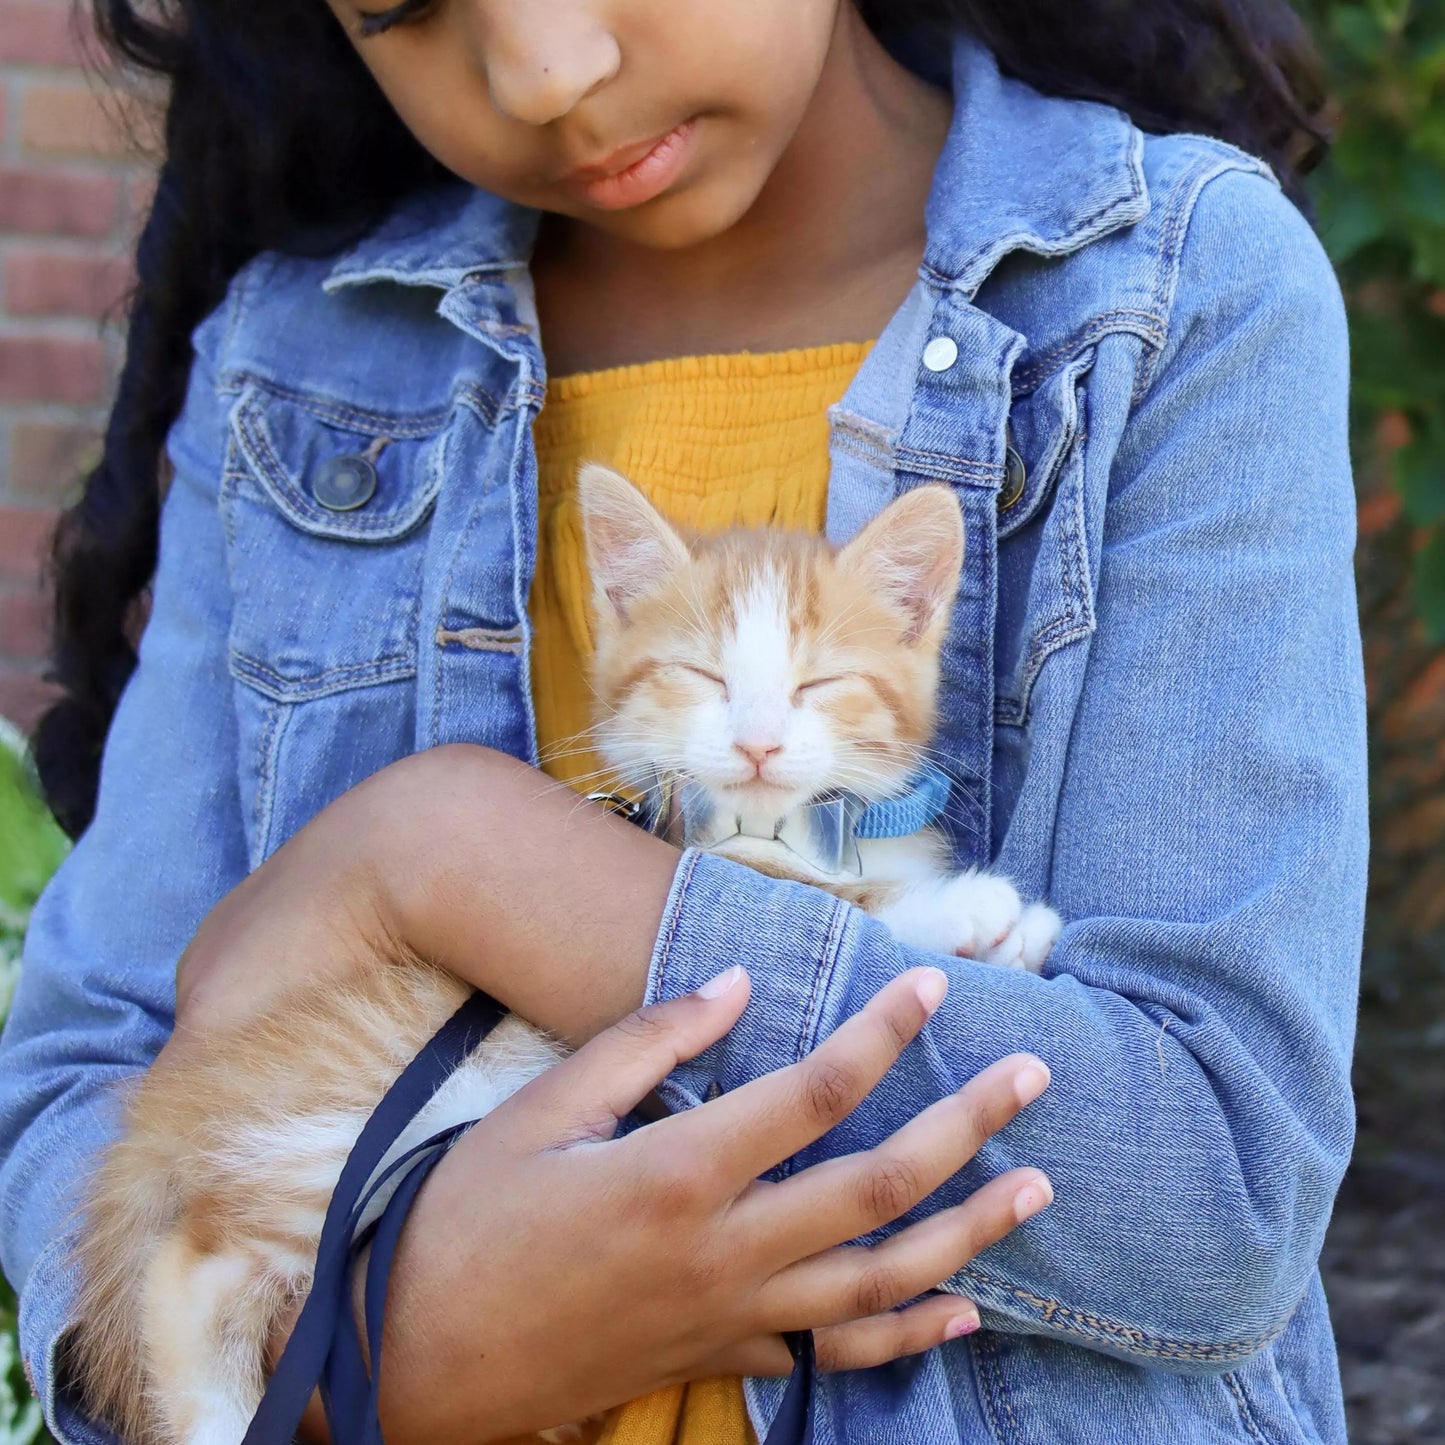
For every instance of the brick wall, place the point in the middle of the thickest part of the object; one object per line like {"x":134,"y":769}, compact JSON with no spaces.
{"x":71,"y":189}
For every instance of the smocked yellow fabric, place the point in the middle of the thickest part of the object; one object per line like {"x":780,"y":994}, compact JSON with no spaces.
{"x":714,"y":442}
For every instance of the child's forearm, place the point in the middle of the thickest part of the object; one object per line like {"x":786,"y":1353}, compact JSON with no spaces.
{"x":459,"y":855}
{"x":513,"y":883}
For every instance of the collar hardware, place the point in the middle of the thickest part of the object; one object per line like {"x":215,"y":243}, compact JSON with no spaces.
{"x":823,"y":833}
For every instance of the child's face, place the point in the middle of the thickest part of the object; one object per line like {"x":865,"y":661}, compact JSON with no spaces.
{"x":657,"y":120}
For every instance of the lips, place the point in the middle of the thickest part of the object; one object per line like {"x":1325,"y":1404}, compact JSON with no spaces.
{"x":635,"y":173}
{"x":620,"y":160}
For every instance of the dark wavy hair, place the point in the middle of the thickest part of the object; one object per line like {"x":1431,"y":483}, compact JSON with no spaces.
{"x":277,"y":138}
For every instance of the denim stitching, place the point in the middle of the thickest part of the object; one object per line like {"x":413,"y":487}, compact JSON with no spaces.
{"x":226,"y":501}
{"x":1078,"y":620}
{"x":1135,"y":1341}
{"x":277,"y":717}
{"x":948,"y":468}
{"x":1076,"y":576}
{"x":488,"y":418}
{"x":1017,"y":240}
{"x":822,"y":971}
{"x":1186,"y":193}
{"x":344,"y":677}
{"x":364,"y":419}
{"x":1037,"y":372}
{"x":1245,"y":1417}
{"x":409,"y":428}
{"x":482,"y":639}
{"x":851,"y":445}
{"x":1166,"y":275}
{"x":1071,"y":437}
{"x":985,"y":1354}
{"x":446,"y":592}
{"x":1001,"y":1384}
{"x":1246,"y":1414}
{"x":277,"y":478}
{"x":685,"y":883}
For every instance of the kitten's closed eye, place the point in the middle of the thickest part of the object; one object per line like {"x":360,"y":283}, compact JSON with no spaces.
{"x":813,"y":683}
{"x":706,"y":676}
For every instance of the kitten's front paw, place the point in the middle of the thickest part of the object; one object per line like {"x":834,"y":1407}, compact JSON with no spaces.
{"x":1030,"y":941}
{"x":982,"y":912}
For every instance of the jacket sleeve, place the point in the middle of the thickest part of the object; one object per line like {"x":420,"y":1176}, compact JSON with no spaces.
{"x":1209,"y":858}
{"x":96,"y":994}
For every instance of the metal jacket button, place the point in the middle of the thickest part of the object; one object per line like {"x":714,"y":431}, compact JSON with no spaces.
{"x":1014,"y":477}
{"x":344,"y":483}
{"x":940,"y":353}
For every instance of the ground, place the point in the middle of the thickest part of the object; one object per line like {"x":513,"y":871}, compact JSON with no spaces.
{"x":1384,"y":1258}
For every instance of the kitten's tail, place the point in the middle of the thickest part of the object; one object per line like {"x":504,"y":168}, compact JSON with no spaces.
{"x":130,"y":1207}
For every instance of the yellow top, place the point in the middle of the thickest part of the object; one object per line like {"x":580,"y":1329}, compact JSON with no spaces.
{"x":714,"y":442}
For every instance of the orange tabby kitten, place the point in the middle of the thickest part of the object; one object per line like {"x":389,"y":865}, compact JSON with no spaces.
{"x":759,"y":671}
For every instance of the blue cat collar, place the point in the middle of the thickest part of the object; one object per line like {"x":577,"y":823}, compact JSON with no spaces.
{"x":921,"y":802}
{"x":823,"y":833}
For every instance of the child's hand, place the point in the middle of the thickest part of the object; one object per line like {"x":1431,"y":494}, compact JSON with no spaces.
{"x":550,"y":1271}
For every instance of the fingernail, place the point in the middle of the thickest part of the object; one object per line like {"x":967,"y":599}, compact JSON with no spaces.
{"x":717,"y":987}
{"x":962,"y":1325}
{"x":1030,"y":1082}
{"x":1032,"y":1198}
{"x":932,"y":987}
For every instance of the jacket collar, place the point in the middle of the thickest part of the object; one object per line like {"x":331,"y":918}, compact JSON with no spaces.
{"x":1022,"y":171}
{"x":1019,"y":171}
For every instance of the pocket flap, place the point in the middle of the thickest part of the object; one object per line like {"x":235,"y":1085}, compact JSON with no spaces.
{"x":287,"y":443}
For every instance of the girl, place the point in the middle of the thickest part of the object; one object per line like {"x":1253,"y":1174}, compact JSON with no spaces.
{"x":1036,"y":250}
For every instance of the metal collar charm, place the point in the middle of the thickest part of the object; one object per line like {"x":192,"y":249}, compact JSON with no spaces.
{"x":823,"y":833}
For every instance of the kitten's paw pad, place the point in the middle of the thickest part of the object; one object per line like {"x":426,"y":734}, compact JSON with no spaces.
{"x":983,"y":912}
{"x":1030,"y":941}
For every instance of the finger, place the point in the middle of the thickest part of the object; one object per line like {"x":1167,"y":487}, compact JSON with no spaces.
{"x":842,"y":1198}
{"x":770,"y":1119}
{"x":853,"y":1282}
{"x":860,"y":1344}
{"x":584,"y":1096}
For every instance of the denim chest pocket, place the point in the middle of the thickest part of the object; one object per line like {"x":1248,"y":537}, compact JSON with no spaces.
{"x":326,"y":510}
{"x":1045,"y":588}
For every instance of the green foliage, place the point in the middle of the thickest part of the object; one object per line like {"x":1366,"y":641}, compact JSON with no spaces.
{"x":1381,"y":200}
{"x":31,"y":847}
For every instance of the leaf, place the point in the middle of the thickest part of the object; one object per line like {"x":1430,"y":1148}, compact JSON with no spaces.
{"x":31,"y":846}
{"x":1349,"y":220}
{"x":1430,"y":584}
{"x":1420,"y":477}
{"x":1422,"y":189}
{"x":1357,"y":30}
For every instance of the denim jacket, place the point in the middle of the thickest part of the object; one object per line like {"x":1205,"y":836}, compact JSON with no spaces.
{"x":1152,"y":693}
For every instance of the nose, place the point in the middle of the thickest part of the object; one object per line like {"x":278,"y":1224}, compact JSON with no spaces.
{"x":541,"y":60}
{"x":757,"y":752}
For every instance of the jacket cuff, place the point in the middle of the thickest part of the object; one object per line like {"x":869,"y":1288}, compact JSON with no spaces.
{"x":785,"y":934}
{"x":47,"y":1313}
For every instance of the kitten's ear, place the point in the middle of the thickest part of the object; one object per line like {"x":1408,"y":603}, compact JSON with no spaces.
{"x":912,"y":553}
{"x":631,"y":547}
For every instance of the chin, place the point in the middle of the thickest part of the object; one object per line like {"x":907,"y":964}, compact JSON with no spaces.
{"x":759,"y":794}
{"x":695,"y":213}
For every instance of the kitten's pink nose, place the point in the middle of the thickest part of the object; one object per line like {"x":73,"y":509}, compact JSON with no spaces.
{"x":757,"y":753}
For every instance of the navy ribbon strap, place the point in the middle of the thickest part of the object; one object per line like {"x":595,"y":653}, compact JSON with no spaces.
{"x":324,"y":1349}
